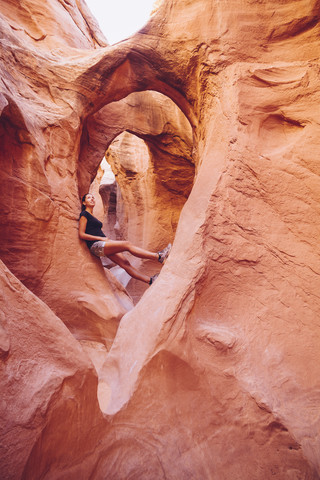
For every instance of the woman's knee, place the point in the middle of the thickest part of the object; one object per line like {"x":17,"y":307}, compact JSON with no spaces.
{"x":125,"y":262}
{"x":120,"y":259}
{"x":127,"y":245}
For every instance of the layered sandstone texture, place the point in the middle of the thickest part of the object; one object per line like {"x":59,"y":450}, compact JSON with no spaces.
{"x":215,"y":373}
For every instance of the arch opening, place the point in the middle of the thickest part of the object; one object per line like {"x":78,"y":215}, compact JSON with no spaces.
{"x":148,"y":143}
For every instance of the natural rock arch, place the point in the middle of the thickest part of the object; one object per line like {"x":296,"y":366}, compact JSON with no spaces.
{"x":146,"y":114}
{"x":154,"y":194}
{"x":164,"y":129}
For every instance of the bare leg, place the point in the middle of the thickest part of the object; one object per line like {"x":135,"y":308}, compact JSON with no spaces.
{"x":126,"y":265}
{"x":114,"y":246}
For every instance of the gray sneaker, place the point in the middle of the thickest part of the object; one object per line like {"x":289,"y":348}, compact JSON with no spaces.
{"x":163,"y":255}
{"x":153,"y":278}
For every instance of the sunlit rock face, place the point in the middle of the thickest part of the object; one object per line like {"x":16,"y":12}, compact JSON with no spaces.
{"x":52,"y":26}
{"x":215,"y":373}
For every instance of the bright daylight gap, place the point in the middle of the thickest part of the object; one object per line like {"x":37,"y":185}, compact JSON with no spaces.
{"x":119,"y":19}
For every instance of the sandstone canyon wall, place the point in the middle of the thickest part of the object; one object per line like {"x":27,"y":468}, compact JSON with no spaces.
{"x":215,"y":373}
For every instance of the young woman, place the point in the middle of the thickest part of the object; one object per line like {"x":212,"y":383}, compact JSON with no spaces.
{"x":100,"y":245}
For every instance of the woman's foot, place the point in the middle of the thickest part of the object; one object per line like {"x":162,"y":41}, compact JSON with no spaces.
{"x":163,"y":255}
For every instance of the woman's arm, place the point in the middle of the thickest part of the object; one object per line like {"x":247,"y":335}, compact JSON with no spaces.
{"x":82,"y":231}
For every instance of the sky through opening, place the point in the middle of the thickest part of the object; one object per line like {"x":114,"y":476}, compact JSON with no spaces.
{"x":119,"y":19}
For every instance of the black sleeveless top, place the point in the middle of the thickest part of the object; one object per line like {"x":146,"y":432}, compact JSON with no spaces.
{"x":93,"y":227}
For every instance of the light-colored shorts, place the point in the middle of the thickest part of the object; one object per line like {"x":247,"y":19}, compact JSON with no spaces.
{"x":98,"y":248}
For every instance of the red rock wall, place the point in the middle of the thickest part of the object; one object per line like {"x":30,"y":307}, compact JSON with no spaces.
{"x":40,"y":134}
{"x":47,"y":388}
{"x":215,"y":373}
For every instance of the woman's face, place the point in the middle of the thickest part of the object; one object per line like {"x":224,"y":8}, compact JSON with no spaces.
{"x":89,"y":200}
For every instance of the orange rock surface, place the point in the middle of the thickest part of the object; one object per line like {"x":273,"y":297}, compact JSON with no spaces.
{"x":215,"y":373}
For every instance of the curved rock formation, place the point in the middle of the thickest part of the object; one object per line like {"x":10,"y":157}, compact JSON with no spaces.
{"x":215,"y":373}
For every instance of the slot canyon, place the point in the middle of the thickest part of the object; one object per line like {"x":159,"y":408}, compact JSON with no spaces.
{"x":208,"y":119}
